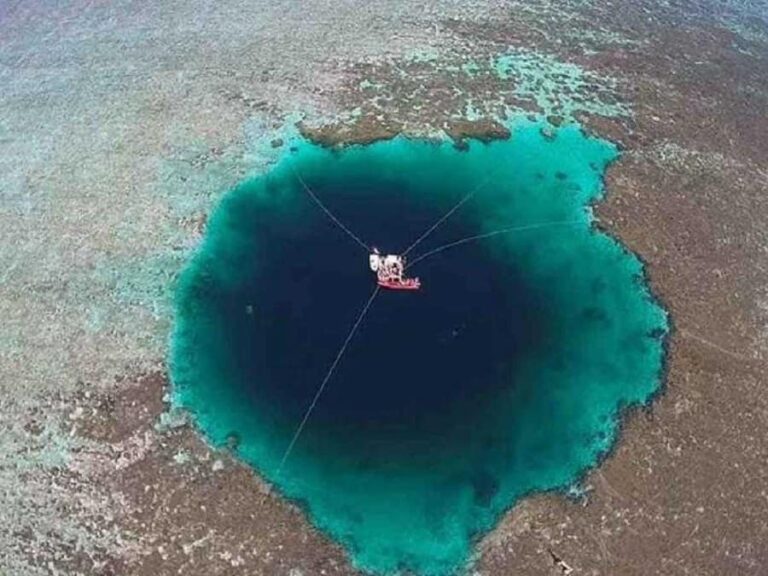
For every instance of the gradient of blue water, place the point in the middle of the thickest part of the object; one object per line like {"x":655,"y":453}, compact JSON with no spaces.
{"x":503,"y":375}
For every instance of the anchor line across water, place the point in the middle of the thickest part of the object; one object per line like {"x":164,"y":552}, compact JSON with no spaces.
{"x":328,"y":375}
{"x":489,"y":235}
{"x":367,"y":306}
{"x":356,"y":325}
{"x":447,"y":215}
{"x":362,"y":315}
{"x":330,"y":214}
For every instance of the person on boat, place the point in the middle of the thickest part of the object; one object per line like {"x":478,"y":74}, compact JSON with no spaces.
{"x":374,"y":259}
{"x":394,"y":267}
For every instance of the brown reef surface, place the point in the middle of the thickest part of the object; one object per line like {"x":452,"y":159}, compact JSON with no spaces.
{"x":121,"y":125}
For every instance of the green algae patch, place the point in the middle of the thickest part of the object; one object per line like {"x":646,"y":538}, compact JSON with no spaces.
{"x":506,"y":374}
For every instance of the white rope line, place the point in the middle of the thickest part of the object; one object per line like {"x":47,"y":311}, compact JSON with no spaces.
{"x":490,"y":234}
{"x":447,"y":215}
{"x":325,"y":380}
{"x":329,"y":213}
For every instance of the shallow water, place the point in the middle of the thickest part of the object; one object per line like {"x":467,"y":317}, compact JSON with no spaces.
{"x":503,"y":375}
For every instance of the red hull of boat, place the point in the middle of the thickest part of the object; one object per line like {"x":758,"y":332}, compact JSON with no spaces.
{"x":409,"y":284}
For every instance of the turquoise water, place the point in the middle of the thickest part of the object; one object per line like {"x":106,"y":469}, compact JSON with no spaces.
{"x":503,"y":376}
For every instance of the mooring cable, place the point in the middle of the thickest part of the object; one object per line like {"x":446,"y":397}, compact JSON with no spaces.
{"x":330,"y":215}
{"x":320,"y":390}
{"x":447,"y":215}
{"x":490,"y":234}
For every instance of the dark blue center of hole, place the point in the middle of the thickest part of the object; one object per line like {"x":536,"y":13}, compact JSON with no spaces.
{"x":418,"y":357}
